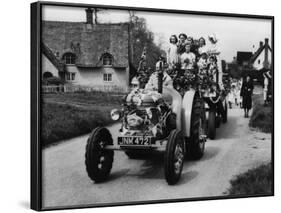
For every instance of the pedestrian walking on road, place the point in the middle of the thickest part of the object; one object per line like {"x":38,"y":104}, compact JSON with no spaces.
{"x":266,"y":86}
{"x":231,"y":96}
{"x":246,"y":94}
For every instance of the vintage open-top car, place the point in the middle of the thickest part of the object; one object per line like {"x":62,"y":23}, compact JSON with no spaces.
{"x":175,"y":119}
{"x":161,"y":121}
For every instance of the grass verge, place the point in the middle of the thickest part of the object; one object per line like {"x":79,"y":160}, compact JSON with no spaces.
{"x":256,"y":181}
{"x":65,"y":116}
{"x":261,"y":117}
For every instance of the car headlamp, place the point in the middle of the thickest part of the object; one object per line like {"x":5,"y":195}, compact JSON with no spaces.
{"x":115,"y":114}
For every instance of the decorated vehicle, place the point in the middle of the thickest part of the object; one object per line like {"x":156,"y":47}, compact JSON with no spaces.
{"x":151,"y":121}
{"x":213,"y":92}
{"x":173,"y":119}
{"x":216,"y":108}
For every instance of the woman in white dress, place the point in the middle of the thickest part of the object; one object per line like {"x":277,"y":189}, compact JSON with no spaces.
{"x":172,"y":53}
{"x":231,"y":95}
{"x":266,"y":80}
{"x":202,"y":46}
{"x":240,"y":82}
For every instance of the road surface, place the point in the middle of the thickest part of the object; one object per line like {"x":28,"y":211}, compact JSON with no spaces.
{"x":235,"y":150}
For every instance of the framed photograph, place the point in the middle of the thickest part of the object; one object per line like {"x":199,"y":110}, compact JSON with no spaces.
{"x":139,"y":106}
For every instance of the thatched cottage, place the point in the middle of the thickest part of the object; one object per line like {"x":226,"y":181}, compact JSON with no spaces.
{"x":87,"y":54}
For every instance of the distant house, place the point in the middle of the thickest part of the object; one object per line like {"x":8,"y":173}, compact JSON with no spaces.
{"x":253,"y":64}
{"x":87,"y":54}
{"x":261,"y":59}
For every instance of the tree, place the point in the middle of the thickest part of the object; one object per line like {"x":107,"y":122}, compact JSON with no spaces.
{"x":141,"y":37}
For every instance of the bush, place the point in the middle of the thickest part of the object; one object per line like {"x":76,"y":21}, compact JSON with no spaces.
{"x":52,"y":81}
{"x":256,"y":181}
{"x":261,"y":117}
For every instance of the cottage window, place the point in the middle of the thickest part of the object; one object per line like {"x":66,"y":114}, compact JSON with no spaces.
{"x":69,"y":58}
{"x":107,"y":77}
{"x":47,"y":75}
{"x":107,"y":59}
{"x":70,"y":76}
{"x":259,"y":61}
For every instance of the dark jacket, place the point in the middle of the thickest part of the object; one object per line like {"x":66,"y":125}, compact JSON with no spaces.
{"x":247,"y":89}
{"x":246,"y":93}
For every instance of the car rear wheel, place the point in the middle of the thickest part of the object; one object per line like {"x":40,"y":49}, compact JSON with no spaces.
{"x":224,"y":115}
{"x":196,"y":143}
{"x":212,"y":124}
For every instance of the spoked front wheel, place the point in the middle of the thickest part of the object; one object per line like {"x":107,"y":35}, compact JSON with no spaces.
{"x":97,"y":159}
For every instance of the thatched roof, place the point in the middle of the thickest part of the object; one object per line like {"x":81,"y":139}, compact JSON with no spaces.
{"x":88,"y":42}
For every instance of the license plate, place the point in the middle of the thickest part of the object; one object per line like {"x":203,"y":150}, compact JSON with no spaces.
{"x":143,"y":141}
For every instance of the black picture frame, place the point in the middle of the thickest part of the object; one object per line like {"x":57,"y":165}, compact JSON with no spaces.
{"x":36,"y":155}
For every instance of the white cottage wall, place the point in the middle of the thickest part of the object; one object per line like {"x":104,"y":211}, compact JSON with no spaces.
{"x":47,"y":66}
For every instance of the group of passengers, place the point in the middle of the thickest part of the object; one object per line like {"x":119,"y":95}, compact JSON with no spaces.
{"x":188,"y":62}
{"x":193,"y":58}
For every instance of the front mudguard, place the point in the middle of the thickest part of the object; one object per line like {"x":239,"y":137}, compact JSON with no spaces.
{"x":187,"y":104}
{"x":176,"y":103}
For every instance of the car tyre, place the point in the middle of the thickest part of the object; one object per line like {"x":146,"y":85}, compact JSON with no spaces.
{"x":197,"y":139}
{"x":98,"y":160}
{"x":212,"y":124}
{"x":224,"y":115}
{"x":174,"y":157}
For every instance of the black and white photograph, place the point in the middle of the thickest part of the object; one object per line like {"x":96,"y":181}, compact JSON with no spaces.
{"x":146,"y":106}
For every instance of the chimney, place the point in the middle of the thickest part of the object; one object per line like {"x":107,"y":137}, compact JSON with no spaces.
{"x":266,"y":62}
{"x":89,"y":16}
{"x":261,"y":43}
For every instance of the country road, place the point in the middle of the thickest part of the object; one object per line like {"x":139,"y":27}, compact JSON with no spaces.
{"x":235,"y":150}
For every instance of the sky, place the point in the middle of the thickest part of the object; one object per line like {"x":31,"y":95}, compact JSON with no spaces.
{"x":233,"y":34}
